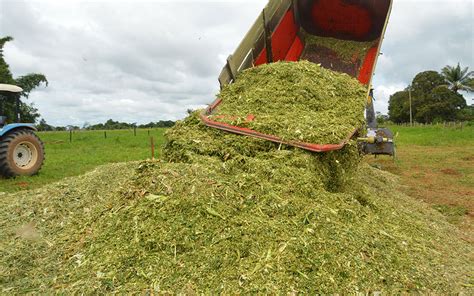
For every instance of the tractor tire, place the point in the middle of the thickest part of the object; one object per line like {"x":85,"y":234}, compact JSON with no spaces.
{"x":21,"y":154}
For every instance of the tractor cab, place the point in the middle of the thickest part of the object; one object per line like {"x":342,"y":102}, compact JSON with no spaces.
{"x":9,"y":92}
{"x":21,"y":151}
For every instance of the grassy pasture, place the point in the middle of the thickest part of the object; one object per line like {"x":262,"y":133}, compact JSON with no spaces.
{"x":435,"y":136}
{"x":87,"y":150}
{"x":436,"y":164}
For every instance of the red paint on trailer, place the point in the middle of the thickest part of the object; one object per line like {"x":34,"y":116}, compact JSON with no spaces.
{"x":284,"y":36}
{"x":286,"y":45}
{"x":366,"y":71}
{"x":262,"y":58}
{"x":339,"y":16}
{"x":295,"y":51}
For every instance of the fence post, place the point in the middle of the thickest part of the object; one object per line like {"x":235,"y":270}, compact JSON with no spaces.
{"x":152,"y":142}
{"x":135,"y":131}
{"x":105,"y":134}
{"x":70,"y":136}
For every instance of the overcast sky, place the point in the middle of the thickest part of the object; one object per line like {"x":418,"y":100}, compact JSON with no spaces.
{"x":142,"y":61}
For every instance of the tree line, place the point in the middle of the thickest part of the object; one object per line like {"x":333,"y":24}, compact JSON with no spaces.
{"x":434,"y":97}
{"x":108,"y":125}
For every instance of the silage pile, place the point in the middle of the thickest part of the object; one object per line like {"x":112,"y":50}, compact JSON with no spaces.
{"x":222,"y":213}
{"x":348,"y":50}
{"x":295,"y":101}
{"x":345,"y":56}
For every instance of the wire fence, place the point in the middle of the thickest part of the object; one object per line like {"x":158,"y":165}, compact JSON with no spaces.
{"x":448,"y":124}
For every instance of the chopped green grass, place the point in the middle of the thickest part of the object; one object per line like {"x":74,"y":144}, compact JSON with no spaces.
{"x":222,"y":213}
{"x":296,"y":101}
{"x":454,"y":213}
{"x":348,"y":50}
{"x":212,"y":228}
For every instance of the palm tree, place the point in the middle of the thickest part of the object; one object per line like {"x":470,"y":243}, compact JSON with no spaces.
{"x":458,"y":79}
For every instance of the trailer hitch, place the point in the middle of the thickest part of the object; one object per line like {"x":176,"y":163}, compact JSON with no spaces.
{"x":375,"y":140}
{"x":379,"y":141}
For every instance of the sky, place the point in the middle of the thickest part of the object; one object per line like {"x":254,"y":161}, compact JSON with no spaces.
{"x":150,"y":60}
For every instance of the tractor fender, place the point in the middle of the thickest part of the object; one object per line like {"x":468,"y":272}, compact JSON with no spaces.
{"x":15,"y":126}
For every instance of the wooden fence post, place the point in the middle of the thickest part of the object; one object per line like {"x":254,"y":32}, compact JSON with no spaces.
{"x":152,"y":142}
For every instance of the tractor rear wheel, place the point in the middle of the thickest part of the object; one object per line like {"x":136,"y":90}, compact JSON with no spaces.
{"x":21,"y":153}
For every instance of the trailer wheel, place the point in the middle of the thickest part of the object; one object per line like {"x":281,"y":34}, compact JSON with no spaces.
{"x":21,"y":153}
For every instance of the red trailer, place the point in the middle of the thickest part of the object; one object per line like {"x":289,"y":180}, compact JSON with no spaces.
{"x":281,"y":33}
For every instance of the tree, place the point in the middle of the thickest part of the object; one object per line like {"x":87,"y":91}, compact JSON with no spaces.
{"x":72,"y":127}
{"x":112,"y":125}
{"x":381,"y":118}
{"x":399,"y":107}
{"x":426,"y":81}
{"x":43,"y":126}
{"x":28,"y":113}
{"x":458,"y":78}
{"x":431,"y":100}
{"x":422,"y":87}
{"x":5,"y":74}
{"x":470,"y":83}
{"x":30,"y":82}
{"x":442,"y":104}
{"x":466,"y":114}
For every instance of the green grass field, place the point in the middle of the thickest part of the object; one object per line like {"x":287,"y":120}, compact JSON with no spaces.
{"x":433,"y":136}
{"x":87,"y":150}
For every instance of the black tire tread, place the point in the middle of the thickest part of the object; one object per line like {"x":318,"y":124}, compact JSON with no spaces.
{"x":5,"y":141}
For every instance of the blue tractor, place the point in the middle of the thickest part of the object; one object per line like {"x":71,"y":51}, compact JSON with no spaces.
{"x":21,"y":151}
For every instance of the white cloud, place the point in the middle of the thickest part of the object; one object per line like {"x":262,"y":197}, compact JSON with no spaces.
{"x":133,"y":62}
{"x":383,"y":92}
{"x":150,"y":60}
{"x":423,"y":35}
